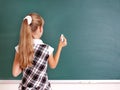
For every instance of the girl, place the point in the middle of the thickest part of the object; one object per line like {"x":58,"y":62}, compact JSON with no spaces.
{"x":32,"y":55}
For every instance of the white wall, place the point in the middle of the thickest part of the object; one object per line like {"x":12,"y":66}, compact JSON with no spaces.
{"x":69,"y":85}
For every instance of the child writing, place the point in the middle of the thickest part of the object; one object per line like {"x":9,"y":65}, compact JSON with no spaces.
{"x":32,"y":55}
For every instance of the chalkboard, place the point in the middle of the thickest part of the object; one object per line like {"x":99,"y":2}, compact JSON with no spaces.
{"x":92,"y":28}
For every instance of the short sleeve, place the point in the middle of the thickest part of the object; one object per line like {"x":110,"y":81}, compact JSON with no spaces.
{"x":16,"y":48}
{"x":50,"y":50}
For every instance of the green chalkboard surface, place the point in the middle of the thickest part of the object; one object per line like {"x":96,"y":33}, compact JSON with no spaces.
{"x":92,"y":28}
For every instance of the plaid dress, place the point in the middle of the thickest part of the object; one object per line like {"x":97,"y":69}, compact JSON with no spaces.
{"x":35,"y":77}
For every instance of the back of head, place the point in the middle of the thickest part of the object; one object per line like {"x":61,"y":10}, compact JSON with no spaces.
{"x":29,"y":25}
{"x":37,"y":20}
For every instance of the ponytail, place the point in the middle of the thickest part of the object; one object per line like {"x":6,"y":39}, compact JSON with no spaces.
{"x":26,"y":50}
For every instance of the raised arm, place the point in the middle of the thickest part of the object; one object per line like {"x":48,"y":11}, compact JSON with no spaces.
{"x":53,"y":59}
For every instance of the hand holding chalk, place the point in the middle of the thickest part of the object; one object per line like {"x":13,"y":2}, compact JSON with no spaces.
{"x":63,"y":41}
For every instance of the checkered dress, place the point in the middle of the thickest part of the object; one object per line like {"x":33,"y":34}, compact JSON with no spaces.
{"x":35,"y":77}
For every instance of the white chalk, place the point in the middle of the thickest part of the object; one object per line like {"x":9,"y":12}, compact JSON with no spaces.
{"x":62,"y":37}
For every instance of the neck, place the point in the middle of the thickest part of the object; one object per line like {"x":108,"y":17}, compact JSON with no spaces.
{"x":36,"y":37}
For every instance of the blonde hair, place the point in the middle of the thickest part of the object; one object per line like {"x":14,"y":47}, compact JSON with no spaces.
{"x":26,"y":50}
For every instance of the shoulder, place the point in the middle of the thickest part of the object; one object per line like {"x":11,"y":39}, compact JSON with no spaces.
{"x":49,"y":48}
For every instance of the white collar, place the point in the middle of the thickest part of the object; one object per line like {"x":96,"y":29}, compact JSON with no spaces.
{"x":37,"y":41}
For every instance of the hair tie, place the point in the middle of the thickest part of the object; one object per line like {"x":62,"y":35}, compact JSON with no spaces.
{"x":29,"y":19}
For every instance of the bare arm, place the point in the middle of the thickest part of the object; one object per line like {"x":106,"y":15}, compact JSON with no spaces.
{"x":53,"y":59}
{"x":16,"y":70}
